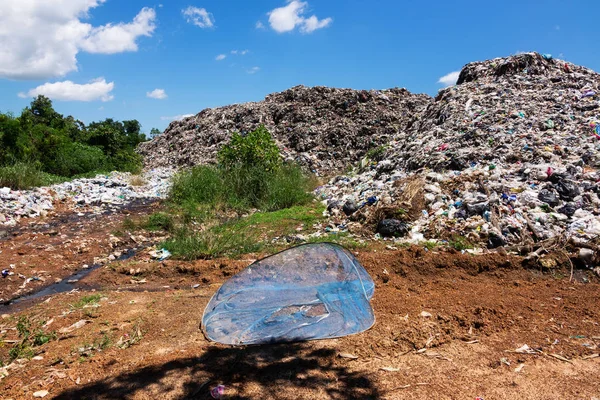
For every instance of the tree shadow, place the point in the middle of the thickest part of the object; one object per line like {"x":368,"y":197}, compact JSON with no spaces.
{"x":269,"y":371}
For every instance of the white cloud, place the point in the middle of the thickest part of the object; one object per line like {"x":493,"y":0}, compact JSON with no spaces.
{"x":286,"y":19}
{"x":312,"y":24}
{"x":97,"y":89}
{"x":177,"y":117}
{"x":253,"y":70}
{"x":240,"y":52}
{"x":199,"y":17}
{"x":158,"y":94}
{"x":110,"y":39}
{"x":220,"y":57}
{"x":449,"y":79}
{"x":41,"y":39}
{"x":259,"y":25}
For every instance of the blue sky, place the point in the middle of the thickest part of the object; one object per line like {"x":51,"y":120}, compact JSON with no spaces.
{"x":153,"y":61}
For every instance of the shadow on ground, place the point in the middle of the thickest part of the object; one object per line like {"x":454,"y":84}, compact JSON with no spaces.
{"x":276,"y":371}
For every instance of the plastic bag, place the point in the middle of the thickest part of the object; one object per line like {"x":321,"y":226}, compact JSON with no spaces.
{"x":313,"y":291}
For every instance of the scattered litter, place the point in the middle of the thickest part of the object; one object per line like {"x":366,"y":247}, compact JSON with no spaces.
{"x":40,"y":394}
{"x":596,"y":355}
{"x":559,"y":357}
{"x":161,"y":254}
{"x":520,"y":367}
{"x":525,"y":349}
{"x":425,"y":314}
{"x":390,"y":369}
{"x":347,"y":355}
{"x":75,"y":326}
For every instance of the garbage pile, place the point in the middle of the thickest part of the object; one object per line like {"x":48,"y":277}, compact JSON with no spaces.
{"x":322,"y":128}
{"x":509,"y":155}
{"x":117,"y":188}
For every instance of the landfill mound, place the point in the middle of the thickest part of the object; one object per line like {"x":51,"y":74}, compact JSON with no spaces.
{"x":507,"y":156}
{"x":322,"y":128}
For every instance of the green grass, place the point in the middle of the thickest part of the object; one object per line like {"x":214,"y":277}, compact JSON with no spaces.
{"x":159,"y":221}
{"x":342,"y":238}
{"x":22,"y":176}
{"x":87,"y":300}
{"x":242,"y":187}
{"x":244,"y":235}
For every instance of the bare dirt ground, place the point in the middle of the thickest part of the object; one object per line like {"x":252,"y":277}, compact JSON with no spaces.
{"x":448,"y":327}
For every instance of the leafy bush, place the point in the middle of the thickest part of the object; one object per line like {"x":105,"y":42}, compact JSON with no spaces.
{"x":255,"y":149}
{"x":250,"y":174}
{"x":76,"y":158}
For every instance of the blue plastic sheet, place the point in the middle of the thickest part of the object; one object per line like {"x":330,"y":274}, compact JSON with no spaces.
{"x":313,"y":291}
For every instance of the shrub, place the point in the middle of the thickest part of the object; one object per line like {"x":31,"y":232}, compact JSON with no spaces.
{"x":200,"y":184}
{"x":255,"y":149}
{"x":251,"y":174}
{"x":77,"y":158}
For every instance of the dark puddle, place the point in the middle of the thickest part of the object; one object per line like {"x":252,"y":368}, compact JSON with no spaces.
{"x":66,"y":285}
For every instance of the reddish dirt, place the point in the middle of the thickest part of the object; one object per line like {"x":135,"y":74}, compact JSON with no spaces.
{"x":47,"y":250}
{"x":447,"y":327}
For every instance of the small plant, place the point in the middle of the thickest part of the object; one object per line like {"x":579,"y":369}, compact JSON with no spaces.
{"x":30,"y":338}
{"x":430,"y":244}
{"x":460,"y":243}
{"x":87,"y":300}
{"x":376,"y":153}
{"x":159,"y":221}
{"x":211,"y":243}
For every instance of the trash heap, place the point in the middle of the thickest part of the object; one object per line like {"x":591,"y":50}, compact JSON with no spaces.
{"x":117,"y":188}
{"x":322,"y":128}
{"x":509,"y":155}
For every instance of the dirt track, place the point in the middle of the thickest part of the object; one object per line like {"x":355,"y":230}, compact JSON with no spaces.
{"x":481,"y":310}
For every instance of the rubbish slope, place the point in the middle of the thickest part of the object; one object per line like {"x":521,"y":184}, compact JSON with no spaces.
{"x":509,"y":155}
{"x":313,"y":291}
{"x":322,"y":128}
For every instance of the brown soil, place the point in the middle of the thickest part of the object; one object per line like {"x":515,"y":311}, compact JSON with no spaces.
{"x":448,"y":325}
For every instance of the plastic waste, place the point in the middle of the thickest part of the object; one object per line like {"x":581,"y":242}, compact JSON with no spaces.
{"x":313,"y":291}
{"x":392,"y":228}
{"x":217,"y":392}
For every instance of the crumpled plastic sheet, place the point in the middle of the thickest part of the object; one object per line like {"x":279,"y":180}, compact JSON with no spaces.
{"x":313,"y":291}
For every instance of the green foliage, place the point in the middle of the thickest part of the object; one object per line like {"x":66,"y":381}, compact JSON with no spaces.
{"x":255,"y":149}
{"x":64,"y":146}
{"x":376,"y":153}
{"x":22,"y":175}
{"x":159,"y":222}
{"x":30,"y":338}
{"x":87,"y":300}
{"x":251,"y":174}
{"x":201,"y":184}
{"x":460,"y":243}
{"x":187,"y":245}
{"x":242,"y":235}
